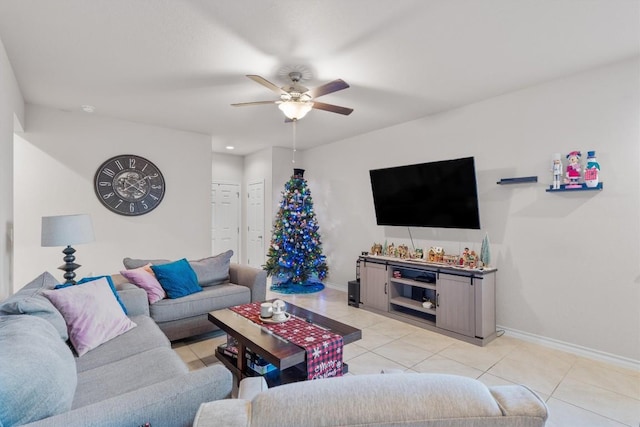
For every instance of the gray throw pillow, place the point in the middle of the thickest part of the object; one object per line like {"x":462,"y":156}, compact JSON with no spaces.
{"x":29,"y":300}
{"x":213,"y":270}
{"x":38,"y":372}
{"x":131,"y":263}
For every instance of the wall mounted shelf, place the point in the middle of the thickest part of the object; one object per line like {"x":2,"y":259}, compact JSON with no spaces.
{"x":582,"y":188}
{"x":519,"y":180}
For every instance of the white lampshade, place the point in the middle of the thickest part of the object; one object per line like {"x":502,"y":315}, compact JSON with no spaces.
{"x":295,"y":110}
{"x":65,"y":230}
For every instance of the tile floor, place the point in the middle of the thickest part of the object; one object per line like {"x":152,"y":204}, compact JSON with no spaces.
{"x":579,"y":391}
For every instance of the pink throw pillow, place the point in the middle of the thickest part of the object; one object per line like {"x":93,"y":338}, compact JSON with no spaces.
{"x":142,"y":278}
{"x":92,"y":313}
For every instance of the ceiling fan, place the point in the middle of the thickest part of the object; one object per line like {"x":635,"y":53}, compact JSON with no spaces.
{"x":296,"y":100}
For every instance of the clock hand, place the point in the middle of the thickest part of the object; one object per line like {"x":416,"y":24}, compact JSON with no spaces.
{"x":128,"y":184}
{"x":144,"y":178}
{"x":135,"y":185}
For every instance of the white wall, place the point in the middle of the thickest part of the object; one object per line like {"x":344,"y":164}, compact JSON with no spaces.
{"x":11,"y":118}
{"x":227,"y":168}
{"x":55,"y":162}
{"x":567,"y":263}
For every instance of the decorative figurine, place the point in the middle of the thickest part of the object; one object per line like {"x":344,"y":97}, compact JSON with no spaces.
{"x":463,"y":257}
{"x":403,"y":251}
{"x":573,"y":170}
{"x":557,"y":171}
{"x":469,"y":259}
{"x":391,"y":250}
{"x":485,"y":251}
{"x":451,"y":259}
{"x":592,"y":171}
{"x":472,"y":260}
{"x":435,"y":254}
{"x":376,"y":249}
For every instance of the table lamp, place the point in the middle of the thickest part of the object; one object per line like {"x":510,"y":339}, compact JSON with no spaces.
{"x":67,"y":230}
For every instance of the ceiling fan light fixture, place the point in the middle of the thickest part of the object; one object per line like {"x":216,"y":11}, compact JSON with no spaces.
{"x":295,"y":110}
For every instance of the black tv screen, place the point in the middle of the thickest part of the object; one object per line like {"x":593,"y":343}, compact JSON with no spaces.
{"x":438,"y":194}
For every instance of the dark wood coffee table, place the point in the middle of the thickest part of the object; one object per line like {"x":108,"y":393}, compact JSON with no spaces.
{"x":289,"y":358}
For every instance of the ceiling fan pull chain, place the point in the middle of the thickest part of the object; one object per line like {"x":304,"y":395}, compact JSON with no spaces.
{"x":293,"y":153}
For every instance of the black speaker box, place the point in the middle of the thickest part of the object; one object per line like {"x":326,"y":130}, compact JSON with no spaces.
{"x":354,"y":293}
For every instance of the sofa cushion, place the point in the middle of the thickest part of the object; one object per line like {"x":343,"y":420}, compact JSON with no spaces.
{"x":29,"y":300}
{"x":177,"y":278}
{"x":382,"y":400}
{"x":145,"y":336}
{"x":213,"y":270}
{"x":131,"y":263}
{"x":92,"y":314}
{"x":144,"y":278}
{"x":37,"y":373}
{"x":211,"y":298}
{"x":129,"y":374}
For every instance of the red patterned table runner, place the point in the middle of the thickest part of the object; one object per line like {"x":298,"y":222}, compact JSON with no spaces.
{"x":323,"y":347}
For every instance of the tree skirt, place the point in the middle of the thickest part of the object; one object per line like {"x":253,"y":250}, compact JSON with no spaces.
{"x":289,"y":287}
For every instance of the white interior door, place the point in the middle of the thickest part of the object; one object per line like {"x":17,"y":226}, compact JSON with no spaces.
{"x":225,"y":219}
{"x":255,"y":224}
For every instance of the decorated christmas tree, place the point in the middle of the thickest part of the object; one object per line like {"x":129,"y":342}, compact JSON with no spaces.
{"x":295,"y":259}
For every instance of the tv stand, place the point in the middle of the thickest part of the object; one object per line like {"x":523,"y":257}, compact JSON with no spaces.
{"x":463,"y":299}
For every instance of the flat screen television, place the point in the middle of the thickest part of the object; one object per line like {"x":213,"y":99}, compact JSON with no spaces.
{"x":439,"y":194}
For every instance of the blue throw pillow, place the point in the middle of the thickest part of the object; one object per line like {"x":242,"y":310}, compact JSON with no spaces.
{"x":91,"y":279}
{"x":177,"y":278}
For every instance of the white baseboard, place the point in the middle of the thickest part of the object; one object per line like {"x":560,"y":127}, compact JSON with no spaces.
{"x":573,"y":348}
{"x":552,"y":343}
{"x":336,"y":286}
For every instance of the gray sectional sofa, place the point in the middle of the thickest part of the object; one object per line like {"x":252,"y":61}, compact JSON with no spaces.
{"x":133,"y":379}
{"x":405,"y":399}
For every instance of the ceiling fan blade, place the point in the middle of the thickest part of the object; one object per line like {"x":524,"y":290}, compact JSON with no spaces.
{"x":332,"y":108}
{"x":266,"y":83}
{"x":247,"y":104}
{"x":330,"y":87}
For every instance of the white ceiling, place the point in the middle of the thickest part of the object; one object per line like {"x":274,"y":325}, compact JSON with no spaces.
{"x":180,"y":63}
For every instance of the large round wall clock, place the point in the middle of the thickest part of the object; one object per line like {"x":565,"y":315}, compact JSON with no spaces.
{"x":129,"y":185}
